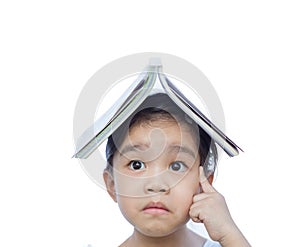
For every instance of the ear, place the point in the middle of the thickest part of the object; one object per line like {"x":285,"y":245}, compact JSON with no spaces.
{"x":110,"y":184}
{"x":210,"y":178}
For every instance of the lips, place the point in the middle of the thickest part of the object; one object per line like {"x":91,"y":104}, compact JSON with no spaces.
{"x":156,"y":208}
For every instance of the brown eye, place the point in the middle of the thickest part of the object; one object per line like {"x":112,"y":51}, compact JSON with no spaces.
{"x":136,"y":165}
{"x":178,"y":166}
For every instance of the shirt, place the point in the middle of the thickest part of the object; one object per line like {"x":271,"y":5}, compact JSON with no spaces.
{"x":210,"y":243}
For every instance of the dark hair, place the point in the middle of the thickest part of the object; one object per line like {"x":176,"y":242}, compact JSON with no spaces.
{"x":161,"y":107}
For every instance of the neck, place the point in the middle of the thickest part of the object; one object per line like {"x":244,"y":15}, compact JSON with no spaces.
{"x":181,"y":237}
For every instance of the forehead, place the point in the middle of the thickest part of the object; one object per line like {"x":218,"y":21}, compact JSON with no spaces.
{"x":162,"y":133}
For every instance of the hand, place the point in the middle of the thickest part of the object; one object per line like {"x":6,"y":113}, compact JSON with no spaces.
{"x":209,"y":207}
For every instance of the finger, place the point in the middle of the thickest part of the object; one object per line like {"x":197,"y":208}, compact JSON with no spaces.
{"x":200,"y":197}
{"x":195,"y":215}
{"x":205,"y":185}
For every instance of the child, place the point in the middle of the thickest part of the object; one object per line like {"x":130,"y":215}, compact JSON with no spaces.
{"x":160,"y":167}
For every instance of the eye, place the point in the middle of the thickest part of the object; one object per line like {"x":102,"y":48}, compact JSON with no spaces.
{"x":178,"y":166}
{"x":136,"y":165}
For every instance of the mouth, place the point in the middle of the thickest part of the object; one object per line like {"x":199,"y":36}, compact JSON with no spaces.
{"x":156,"y":208}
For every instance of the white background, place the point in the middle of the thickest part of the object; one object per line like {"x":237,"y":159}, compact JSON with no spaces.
{"x":250,"y":52}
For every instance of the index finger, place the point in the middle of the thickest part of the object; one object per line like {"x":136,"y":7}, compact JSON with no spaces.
{"x":204,"y":183}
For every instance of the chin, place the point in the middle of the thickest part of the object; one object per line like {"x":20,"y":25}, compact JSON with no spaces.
{"x":158,"y":230}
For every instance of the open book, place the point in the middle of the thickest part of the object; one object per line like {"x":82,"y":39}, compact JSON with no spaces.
{"x":132,"y":98}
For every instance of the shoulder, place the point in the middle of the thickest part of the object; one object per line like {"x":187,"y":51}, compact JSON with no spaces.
{"x":210,"y":243}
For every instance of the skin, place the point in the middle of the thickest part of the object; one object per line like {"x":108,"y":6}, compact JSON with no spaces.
{"x":163,"y":188}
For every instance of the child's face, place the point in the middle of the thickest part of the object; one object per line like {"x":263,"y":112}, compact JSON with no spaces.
{"x":156,"y":176}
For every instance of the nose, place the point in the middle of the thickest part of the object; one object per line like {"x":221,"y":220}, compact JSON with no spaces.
{"x":157,"y":187}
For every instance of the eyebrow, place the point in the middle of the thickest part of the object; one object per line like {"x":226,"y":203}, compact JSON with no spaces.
{"x":183,"y":149}
{"x":172,"y":148}
{"x":132,"y":148}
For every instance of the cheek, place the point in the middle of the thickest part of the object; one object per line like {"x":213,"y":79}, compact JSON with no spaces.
{"x":187,"y":189}
{"x":192,"y":180}
{"x":129,"y":207}
{"x":129,"y":186}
